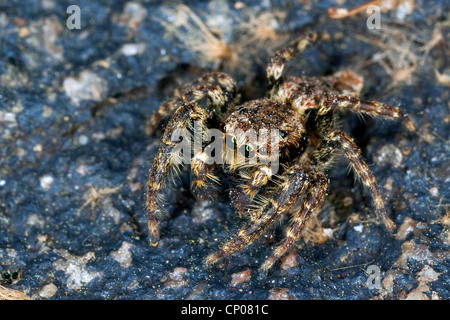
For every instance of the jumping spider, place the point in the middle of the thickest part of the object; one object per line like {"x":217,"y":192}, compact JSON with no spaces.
{"x":303,"y":110}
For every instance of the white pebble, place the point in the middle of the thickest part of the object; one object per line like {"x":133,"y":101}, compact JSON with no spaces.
{"x":83,"y":140}
{"x":46,"y":181}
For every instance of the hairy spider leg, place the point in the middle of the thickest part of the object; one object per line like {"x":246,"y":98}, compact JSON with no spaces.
{"x":314,"y":194}
{"x":324,"y":154}
{"x":167,"y":161}
{"x":372,"y":108}
{"x":186,"y":111}
{"x":302,"y":97}
{"x":217,"y":86}
{"x":284,"y":196}
{"x":277,"y":63}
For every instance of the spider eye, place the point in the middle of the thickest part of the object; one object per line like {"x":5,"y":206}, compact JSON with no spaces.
{"x":231,"y":141}
{"x":247,"y":151}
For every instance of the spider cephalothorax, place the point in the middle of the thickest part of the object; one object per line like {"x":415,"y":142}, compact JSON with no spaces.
{"x":275,"y":150}
{"x":274,"y":117}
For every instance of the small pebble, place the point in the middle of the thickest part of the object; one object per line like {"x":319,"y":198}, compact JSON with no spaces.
{"x":240,"y":277}
{"x":48,"y":291}
{"x":83,"y":140}
{"x":46,"y":181}
{"x":434,"y":192}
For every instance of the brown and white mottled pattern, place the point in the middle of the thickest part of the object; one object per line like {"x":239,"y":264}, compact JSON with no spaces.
{"x":302,"y":112}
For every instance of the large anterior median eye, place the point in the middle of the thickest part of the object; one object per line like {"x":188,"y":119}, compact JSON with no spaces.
{"x":247,"y":151}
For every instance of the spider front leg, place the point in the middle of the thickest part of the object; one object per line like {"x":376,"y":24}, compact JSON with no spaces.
{"x":168,"y":160}
{"x":323,"y":156}
{"x":273,"y":207}
{"x":315,"y":191}
{"x":219,"y":87}
{"x":277,"y":63}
